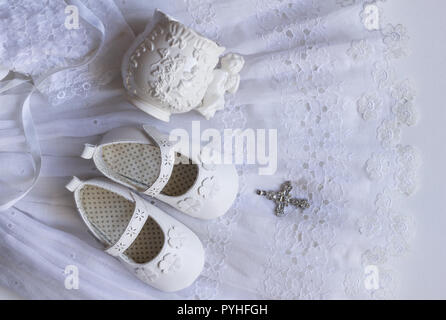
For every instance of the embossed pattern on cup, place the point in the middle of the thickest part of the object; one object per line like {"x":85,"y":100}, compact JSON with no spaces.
{"x":170,"y":67}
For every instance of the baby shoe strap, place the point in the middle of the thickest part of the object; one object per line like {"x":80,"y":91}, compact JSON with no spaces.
{"x":74,"y":183}
{"x":133,"y":228}
{"x":88,"y":152}
{"x":167,"y":159}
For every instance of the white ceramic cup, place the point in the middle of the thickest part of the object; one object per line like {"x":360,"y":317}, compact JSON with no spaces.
{"x":171,"y":69}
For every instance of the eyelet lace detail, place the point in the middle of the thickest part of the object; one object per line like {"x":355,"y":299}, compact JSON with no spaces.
{"x":306,"y":250}
{"x":41,"y":43}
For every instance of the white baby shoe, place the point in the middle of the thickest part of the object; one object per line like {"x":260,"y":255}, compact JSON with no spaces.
{"x":160,"y":250}
{"x":145,"y":160}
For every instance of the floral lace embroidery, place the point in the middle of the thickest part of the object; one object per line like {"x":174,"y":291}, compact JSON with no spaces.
{"x":377,"y":166}
{"x":389,"y":133}
{"x":369,"y":106}
{"x":307,"y":275}
{"x":404,"y":108}
{"x":300,"y":264}
{"x":395,"y":167}
{"x":359,"y":50}
{"x":370,"y":16}
{"x":396,"y":40}
{"x":41,"y":43}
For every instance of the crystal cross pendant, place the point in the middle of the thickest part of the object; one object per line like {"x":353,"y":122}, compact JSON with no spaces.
{"x":283,"y":198}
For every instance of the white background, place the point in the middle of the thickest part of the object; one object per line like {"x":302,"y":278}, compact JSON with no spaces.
{"x":423,"y":270}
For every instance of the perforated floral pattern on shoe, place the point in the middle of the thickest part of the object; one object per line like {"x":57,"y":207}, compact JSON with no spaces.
{"x":110,"y":213}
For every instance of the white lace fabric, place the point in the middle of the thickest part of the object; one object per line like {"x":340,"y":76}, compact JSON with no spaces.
{"x":318,"y":71}
{"x":37,"y":41}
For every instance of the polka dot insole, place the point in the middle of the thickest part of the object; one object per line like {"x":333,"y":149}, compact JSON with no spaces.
{"x":182,"y":178}
{"x":110,"y":214}
{"x":139,"y":165}
{"x":136,"y":163}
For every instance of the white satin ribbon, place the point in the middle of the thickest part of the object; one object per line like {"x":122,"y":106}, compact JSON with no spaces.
{"x":26,"y":115}
{"x":12,"y":84}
